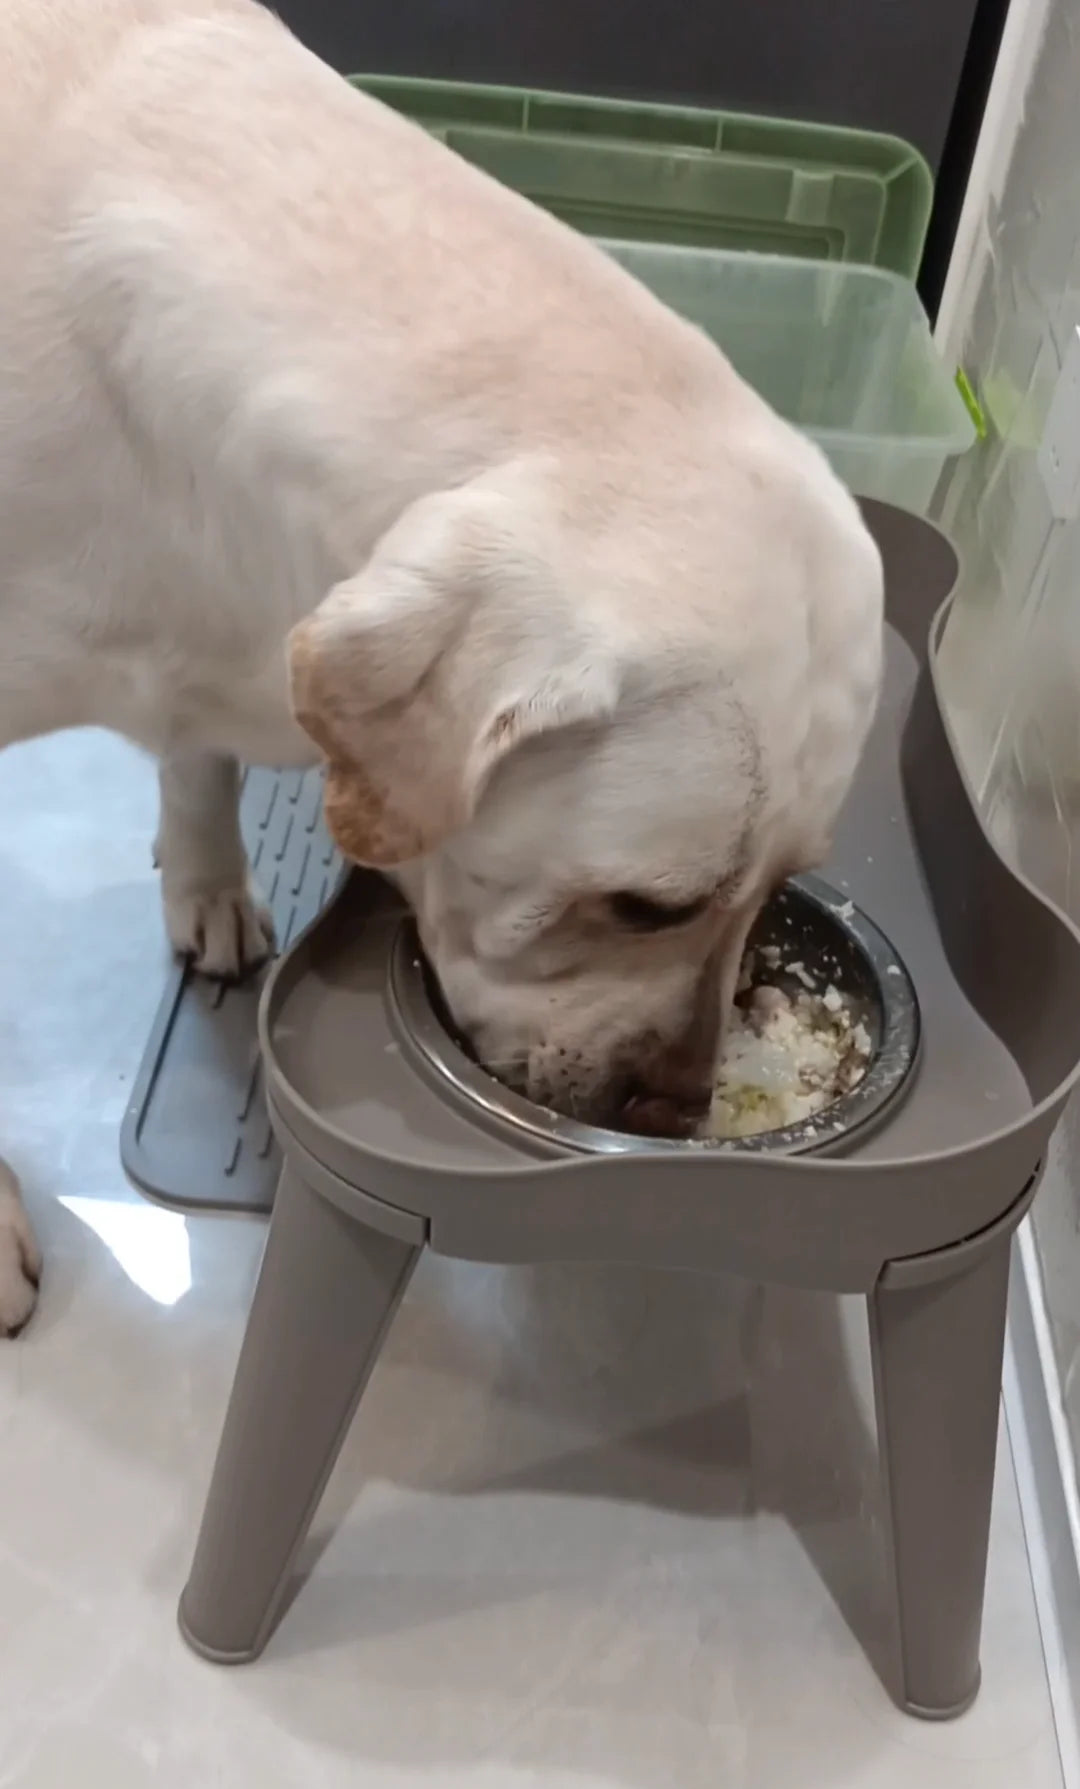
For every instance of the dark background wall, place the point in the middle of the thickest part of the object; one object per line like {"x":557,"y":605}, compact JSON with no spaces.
{"x":891,"y":65}
{"x":918,"y":68}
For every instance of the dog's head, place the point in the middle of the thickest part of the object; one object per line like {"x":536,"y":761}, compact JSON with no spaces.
{"x":589,"y":753}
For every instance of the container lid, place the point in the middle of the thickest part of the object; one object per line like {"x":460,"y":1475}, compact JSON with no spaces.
{"x":632,"y":172}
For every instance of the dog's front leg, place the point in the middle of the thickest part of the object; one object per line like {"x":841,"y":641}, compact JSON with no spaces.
{"x":20,"y":1262}
{"x":212,"y":913}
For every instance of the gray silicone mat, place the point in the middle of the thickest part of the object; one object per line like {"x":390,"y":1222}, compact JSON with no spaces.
{"x":196,"y":1133}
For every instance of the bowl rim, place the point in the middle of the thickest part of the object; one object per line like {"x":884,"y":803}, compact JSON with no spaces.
{"x":888,"y":1075}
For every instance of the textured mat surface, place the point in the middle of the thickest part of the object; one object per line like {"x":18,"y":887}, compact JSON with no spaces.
{"x":196,"y":1133}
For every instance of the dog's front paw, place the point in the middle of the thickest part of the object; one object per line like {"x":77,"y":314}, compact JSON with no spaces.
{"x":20,"y":1259}
{"x":223,"y":932}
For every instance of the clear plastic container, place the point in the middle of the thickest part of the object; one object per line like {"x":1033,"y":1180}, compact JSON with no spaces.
{"x":844,"y":352}
{"x":790,"y":244}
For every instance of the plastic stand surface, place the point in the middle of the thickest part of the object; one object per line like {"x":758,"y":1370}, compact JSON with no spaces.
{"x":381,"y":1160}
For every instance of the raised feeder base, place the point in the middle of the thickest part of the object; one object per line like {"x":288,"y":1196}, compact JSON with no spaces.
{"x":383,"y":1158}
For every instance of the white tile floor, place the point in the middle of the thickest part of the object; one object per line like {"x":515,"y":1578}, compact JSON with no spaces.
{"x":591,"y":1528}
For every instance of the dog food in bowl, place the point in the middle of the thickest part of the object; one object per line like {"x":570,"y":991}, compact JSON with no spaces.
{"x":823,"y":1041}
{"x":787,"y":1056}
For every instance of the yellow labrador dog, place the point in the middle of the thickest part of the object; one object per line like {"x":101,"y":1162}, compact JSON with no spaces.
{"x":313,"y":440}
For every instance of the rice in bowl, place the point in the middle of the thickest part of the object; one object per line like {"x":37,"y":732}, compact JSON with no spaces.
{"x":788,"y":1053}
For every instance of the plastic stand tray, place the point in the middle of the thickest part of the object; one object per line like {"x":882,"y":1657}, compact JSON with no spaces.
{"x":382,"y":1160}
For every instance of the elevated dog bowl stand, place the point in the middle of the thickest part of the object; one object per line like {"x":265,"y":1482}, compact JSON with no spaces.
{"x":381,"y":1160}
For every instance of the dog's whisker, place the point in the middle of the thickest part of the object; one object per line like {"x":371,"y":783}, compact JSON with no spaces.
{"x":508,"y":1072}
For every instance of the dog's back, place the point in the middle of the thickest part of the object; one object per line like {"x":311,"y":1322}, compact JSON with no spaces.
{"x":248,"y":315}
{"x":50,"y":50}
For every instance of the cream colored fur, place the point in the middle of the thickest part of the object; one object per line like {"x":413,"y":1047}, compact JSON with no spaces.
{"x":287,"y":391}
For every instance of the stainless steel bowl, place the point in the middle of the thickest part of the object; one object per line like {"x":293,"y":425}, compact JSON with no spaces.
{"x":834,"y":942}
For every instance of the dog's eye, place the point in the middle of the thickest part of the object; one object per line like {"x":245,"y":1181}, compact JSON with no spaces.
{"x":642,"y":914}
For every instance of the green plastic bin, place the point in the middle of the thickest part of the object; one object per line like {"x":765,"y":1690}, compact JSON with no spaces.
{"x":632,"y":172}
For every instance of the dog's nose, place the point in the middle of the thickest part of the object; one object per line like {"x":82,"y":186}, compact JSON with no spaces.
{"x":674,"y":1107}
{"x":671,"y":1084}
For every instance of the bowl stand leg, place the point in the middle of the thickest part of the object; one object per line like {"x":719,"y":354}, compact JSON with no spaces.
{"x":327,"y":1292}
{"x":937,"y":1346}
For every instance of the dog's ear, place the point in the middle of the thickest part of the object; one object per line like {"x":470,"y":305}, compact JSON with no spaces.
{"x":454,"y":645}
